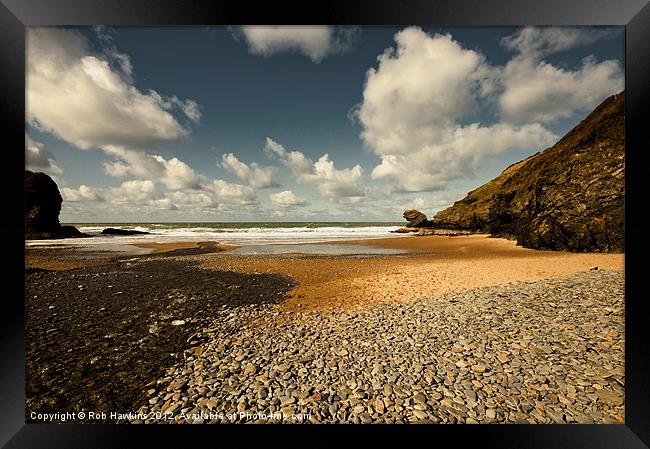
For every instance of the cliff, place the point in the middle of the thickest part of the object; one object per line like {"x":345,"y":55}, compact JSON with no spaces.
{"x":569,"y":197}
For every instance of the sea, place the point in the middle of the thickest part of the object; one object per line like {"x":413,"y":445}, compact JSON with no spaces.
{"x":265,"y":237}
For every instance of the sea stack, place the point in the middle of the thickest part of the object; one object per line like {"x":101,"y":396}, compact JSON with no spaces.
{"x":42,"y":207}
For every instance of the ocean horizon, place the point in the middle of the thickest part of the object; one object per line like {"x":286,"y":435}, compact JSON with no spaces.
{"x":236,"y":233}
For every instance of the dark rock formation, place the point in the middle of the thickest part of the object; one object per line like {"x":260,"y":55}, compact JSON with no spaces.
{"x":405,"y":230}
{"x":569,"y":197}
{"x":42,"y":207}
{"x":445,"y":232}
{"x":419,"y":225}
{"x":415,"y":218}
{"x":116,"y":231}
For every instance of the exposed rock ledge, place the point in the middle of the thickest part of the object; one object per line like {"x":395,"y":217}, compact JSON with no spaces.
{"x":116,"y":231}
{"x":430,"y":231}
{"x":418,"y":224}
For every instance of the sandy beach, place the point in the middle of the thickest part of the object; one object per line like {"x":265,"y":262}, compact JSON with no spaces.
{"x":319,"y":224}
{"x":433,"y":266}
{"x":241,"y":331}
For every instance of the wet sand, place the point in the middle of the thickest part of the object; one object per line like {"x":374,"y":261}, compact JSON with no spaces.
{"x":175,"y":246}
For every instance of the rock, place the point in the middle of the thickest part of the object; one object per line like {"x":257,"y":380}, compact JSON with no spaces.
{"x":287,"y":400}
{"x":386,"y":380}
{"x":415,"y":218}
{"x":405,"y":230}
{"x":69,"y":231}
{"x":569,"y":197}
{"x":117,"y":231}
{"x":42,"y":207}
{"x":479,"y":368}
{"x":609,"y":397}
{"x":400,"y":393}
{"x":445,"y":232}
{"x":43,"y":203}
{"x":178,"y":322}
{"x":250,"y":369}
{"x":359,"y":409}
{"x":555,"y":415}
{"x":420,"y":414}
{"x":365,"y":418}
{"x":419,"y":398}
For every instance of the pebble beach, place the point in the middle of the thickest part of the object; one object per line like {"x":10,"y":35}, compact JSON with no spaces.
{"x":458,"y":330}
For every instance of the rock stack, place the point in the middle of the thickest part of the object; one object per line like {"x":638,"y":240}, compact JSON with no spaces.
{"x":42,"y":207}
{"x":415,"y":218}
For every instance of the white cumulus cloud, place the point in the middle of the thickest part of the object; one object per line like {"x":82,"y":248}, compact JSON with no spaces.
{"x":412,"y":108}
{"x":77,"y":95}
{"x":331,"y":182}
{"x":296,"y":161}
{"x":542,"y":41}
{"x":37,"y":157}
{"x":134,"y":192}
{"x":287,"y":198}
{"x":314,"y":41}
{"x":83,"y":193}
{"x":418,"y":91}
{"x":230,"y":193}
{"x":256,"y":176}
{"x":535,"y":90}
{"x":173,"y":173}
{"x":177,"y":174}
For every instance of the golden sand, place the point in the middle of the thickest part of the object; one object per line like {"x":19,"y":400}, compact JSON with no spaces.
{"x":43,"y":263}
{"x":435,"y":265}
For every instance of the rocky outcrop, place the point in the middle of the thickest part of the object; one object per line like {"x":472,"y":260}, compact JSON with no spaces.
{"x":42,"y":207}
{"x":445,"y":232}
{"x":420,"y":225}
{"x":117,"y":231}
{"x":415,"y":218}
{"x":569,"y":197}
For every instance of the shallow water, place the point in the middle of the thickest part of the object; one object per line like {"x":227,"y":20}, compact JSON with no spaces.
{"x":325,"y":249}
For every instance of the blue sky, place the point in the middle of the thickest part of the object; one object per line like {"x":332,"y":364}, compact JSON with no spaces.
{"x":299,"y":123}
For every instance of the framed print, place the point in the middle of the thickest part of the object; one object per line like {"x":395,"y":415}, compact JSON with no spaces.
{"x":427,"y":212}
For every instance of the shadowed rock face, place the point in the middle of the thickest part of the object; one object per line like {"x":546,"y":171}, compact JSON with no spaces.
{"x":42,"y":207}
{"x":569,"y":197}
{"x":42,"y":203}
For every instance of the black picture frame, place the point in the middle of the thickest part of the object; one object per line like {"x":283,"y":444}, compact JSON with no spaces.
{"x":15,"y":15}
